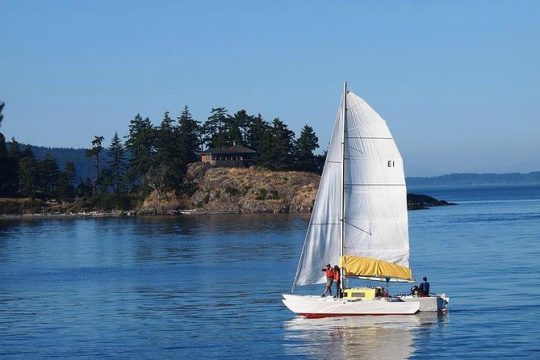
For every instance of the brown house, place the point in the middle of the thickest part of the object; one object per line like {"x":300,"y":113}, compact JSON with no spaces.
{"x":235,"y":156}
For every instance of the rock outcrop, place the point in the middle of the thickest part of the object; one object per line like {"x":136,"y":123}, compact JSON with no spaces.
{"x":221,"y":190}
{"x":251,"y":190}
{"x":416,"y":202}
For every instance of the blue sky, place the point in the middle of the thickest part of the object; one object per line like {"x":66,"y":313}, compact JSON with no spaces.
{"x":457,"y":81}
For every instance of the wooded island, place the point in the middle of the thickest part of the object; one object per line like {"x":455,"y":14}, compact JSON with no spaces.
{"x":249,"y":165}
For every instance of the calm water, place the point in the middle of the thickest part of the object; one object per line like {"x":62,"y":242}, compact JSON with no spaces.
{"x":211,"y":286}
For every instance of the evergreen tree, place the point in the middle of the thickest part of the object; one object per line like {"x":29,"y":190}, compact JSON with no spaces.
{"x":189,"y":135}
{"x":49,"y":177}
{"x":319,"y":161}
{"x":66,"y":189}
{"x":9,"y":182}
{"x":167,"y":174}
{"x":27,"y":152}
{"x":236,"y":128}
{"x":84,"y":189}
{"x":13,"y":149}
{"x":215,"y":132}
{"x":2,"y":104}
{"x":277,"y":150}
{"x":95,"y":151}
{"x":28,"y":174}
{"x":141,"y":145}
{"x":305,"y":145}
{"x":3,"y":149}
{"x":266,"y":150}
{"x":117,"y":164}
{"x":166,"y":143}
{"x":9,"y":165}
{"x":256,"y":130}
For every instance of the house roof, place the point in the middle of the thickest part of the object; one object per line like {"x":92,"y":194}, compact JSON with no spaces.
{"x":237,"y":149}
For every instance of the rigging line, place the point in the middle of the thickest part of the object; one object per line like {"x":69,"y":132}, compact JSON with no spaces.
{"x":358,"y":157}
{"x":357,"y":149}
{"x":354,"y":128}
{"x":370,"y":137}
{"x":349,"y":107}
{"x":333,"y":161}
{"x":354,"y":185}
{"x":320,"y":224}
{"x":356,"y":227}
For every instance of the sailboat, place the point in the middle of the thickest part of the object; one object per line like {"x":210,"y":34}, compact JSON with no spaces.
{"x":359,"y":220}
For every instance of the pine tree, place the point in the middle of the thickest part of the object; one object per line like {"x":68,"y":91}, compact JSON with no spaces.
{"x":3,"y":149}
{"x":189,"y":135}
{"x":13,"y":149}
{"x":256,"y":129}
{"x":117,"y":164}
{"x":167,"y":172}
{"x":2,"y":104}
{"x":9,"y":181}
{"x":305,"y":146}
{"x":277,"y":147}
{"x":28,"y":176}
{"x":236,"y":127}
{"x":141,"y":145}
{"x":49,"y":177}
{"x":95,"y":151}
{"x":84,"y":189}
{"x":66,"y":189}
{"x":28,"y":173}
{"x":215,"y":133}
{"x":9,"y":165}
{"x":27,"y":152}
{"x":166,"y":140}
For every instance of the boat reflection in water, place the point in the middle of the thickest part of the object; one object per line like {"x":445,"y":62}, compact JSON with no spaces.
{"x":361,"y":337}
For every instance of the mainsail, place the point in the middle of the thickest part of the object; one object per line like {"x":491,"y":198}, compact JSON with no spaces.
{"x":375,"y":224}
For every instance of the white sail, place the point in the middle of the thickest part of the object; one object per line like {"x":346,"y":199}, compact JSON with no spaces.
{"x":322,"y":245}
{"x":375,"y":204}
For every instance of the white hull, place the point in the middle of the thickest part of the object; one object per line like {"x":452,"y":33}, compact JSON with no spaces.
{"x":315,"y":306}
{"x":429,"y":303}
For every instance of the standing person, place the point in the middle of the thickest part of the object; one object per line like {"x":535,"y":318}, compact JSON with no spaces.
{"x":337,"y":280}
{"x":424,"y":287}
{"x":329,"y":279}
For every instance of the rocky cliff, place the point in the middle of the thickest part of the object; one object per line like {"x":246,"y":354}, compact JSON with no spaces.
{"x":251,"y":190}
{"x":238,"y":190}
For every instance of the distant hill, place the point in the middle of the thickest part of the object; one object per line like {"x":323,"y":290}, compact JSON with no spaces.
{"x":83,"y":164}
{"x":531,"y":178}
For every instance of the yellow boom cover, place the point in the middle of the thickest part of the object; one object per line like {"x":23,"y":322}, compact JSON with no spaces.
{"x":373,"y":268}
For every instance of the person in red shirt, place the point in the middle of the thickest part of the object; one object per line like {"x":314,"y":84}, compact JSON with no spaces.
{"x":337,"y":280}
{"x":329,"y":279}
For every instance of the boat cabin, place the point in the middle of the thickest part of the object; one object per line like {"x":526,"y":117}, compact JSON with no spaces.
{"x":364,"y":293}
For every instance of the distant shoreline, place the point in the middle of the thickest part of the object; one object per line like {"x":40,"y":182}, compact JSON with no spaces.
{"x":473,"y":179}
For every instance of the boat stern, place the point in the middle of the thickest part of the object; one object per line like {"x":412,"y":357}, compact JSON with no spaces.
{"x":429,"y":303}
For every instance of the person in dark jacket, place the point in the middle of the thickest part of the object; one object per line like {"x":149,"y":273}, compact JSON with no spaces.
{"x":337,"y":280}
{"x":424,"y":287}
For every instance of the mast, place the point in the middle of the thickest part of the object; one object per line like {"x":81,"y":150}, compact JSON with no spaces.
{"x":342,"y":190}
